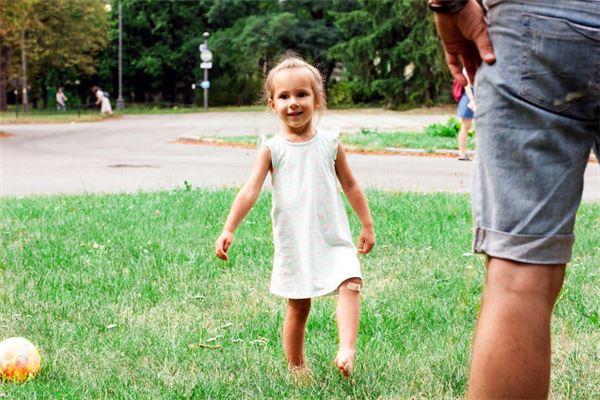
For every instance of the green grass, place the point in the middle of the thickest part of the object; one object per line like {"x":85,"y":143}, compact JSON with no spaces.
{"x":113,"y":290}
{"x":377,"y":141}
{"x":51,"y":117}
{"x":183,"y":109}
{"x":93,"y":114}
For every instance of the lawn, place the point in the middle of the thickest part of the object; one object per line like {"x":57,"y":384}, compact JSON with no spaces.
{"x":118,"y":291}
{"x":92,"y":114}
{"x":368,"y":140}
{"x":51,"y":117}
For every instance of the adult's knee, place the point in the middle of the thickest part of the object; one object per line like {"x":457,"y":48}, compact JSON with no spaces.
{"x":505,"y":277}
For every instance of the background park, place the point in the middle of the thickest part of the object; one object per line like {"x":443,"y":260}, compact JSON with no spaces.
{"x":107,"y":223}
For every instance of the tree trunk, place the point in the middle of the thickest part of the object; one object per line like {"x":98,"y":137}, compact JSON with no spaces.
{"x":4,"y":53}
{"x":44,"y":85}
{"x":24,"y":71}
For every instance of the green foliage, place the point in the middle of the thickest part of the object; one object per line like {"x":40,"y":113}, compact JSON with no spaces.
{"x":370,"y":51}
{"x":340,"y":93}
{"x":449,"y":129}
{"x":372,"y":140}
{"x":390,"y":52}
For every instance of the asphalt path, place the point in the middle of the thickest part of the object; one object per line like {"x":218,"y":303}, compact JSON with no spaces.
{"x":139,"y":153}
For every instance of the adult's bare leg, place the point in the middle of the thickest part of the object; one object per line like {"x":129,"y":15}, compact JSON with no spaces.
{"x":511,"y":347}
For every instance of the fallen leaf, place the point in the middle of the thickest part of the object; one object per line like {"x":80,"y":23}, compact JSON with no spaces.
{"x":204,"y":346}
{"x":111,"y":326}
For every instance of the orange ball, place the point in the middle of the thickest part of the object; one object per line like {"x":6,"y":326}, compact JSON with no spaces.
{"x":19,"y":360}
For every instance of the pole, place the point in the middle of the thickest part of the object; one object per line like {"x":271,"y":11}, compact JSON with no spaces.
{"x":120,"y":101}
{"x":206,"y":75}
{"x":24,"y":72}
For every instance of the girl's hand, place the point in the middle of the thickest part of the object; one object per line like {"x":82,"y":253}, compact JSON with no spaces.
{"x":222,"y":245}
{"x":366,"y":240}
{"x":472,"y":106}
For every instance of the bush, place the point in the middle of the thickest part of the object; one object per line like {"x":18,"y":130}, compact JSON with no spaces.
{"x":340,"y":94}
{"x":449,"y":129}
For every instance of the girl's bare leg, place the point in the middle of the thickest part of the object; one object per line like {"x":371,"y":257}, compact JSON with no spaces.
{"x":293,"y":332}
{"x":348,"y":316}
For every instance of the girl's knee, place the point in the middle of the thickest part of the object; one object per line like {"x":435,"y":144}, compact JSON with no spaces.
{"x":299,"y":306}
{"x":353,"y":284}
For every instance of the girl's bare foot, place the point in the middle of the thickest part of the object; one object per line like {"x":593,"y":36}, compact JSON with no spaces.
{"x":301,"y":375}
{"x":345,"y":361}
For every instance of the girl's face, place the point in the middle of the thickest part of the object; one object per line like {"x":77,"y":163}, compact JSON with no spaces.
{"x":294,"y":100}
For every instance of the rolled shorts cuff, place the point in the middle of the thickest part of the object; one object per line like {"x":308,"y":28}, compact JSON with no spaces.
{"x":528,"y":249}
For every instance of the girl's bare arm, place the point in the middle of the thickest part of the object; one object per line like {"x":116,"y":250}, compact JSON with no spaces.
{"x":357,"y":200}
{"x":244,"y":201}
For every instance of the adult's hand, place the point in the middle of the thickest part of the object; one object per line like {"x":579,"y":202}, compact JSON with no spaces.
{"x":466,"y":40}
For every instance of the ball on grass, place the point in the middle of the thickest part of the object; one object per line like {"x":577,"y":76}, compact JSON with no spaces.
{"x":19,"y":360}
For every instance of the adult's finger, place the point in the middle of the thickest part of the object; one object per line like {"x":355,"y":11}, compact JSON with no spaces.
{"x":482,"y":40}
{"x":471,"y":62}
{"x":454,"y":65}
{"x":472,"y":24}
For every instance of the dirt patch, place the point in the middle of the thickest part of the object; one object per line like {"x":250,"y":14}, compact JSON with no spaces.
{"x":214,"y":143}
{"x":4,"y":135}
{"x":437,"y":154}
{"x":132,"y":166}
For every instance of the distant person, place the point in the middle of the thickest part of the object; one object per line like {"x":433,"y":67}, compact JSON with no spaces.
{"x":466,"y":113}
{"x":314,"y":251}
{"x":538,"y":119}
{"x":102,"y":100}
{"x":61,"y":100}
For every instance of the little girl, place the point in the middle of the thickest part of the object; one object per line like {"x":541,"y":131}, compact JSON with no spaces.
{"x":314,"y":250}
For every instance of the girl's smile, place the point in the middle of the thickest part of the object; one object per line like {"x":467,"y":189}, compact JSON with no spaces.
{"x":294,"y":102}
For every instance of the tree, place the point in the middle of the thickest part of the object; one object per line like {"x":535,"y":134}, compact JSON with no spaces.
{"x":391,"y":53}
{"x":56,"y":38}
{"x":246,"y":50}
{"x":12,"y":20}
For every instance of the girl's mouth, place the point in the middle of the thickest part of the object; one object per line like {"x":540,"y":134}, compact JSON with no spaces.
{"x":295,"y":114}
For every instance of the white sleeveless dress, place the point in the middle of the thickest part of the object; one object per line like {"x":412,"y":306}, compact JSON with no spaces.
{"x":314,"y":250}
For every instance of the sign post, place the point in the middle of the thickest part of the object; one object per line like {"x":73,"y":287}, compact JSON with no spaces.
{"x":206,"y":57}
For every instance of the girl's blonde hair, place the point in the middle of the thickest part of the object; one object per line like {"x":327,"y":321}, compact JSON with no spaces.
{"x":290,"y":62}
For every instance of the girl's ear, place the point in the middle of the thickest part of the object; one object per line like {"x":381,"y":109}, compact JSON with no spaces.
{"x":271,"y":104}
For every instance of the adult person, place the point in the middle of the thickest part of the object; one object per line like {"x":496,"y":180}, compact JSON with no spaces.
{"x":61,"y":100}
{"x":538,"y":116}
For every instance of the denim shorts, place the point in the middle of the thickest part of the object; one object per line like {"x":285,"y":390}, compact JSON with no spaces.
{"x":463,"y":110}
{"x":538,"y":117}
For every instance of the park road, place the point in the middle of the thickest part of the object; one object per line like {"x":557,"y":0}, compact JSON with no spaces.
{"x":138,"y":153}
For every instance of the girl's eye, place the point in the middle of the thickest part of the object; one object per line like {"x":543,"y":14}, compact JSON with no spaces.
{"x":302,"y":94}
{"x":283,"y":96}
